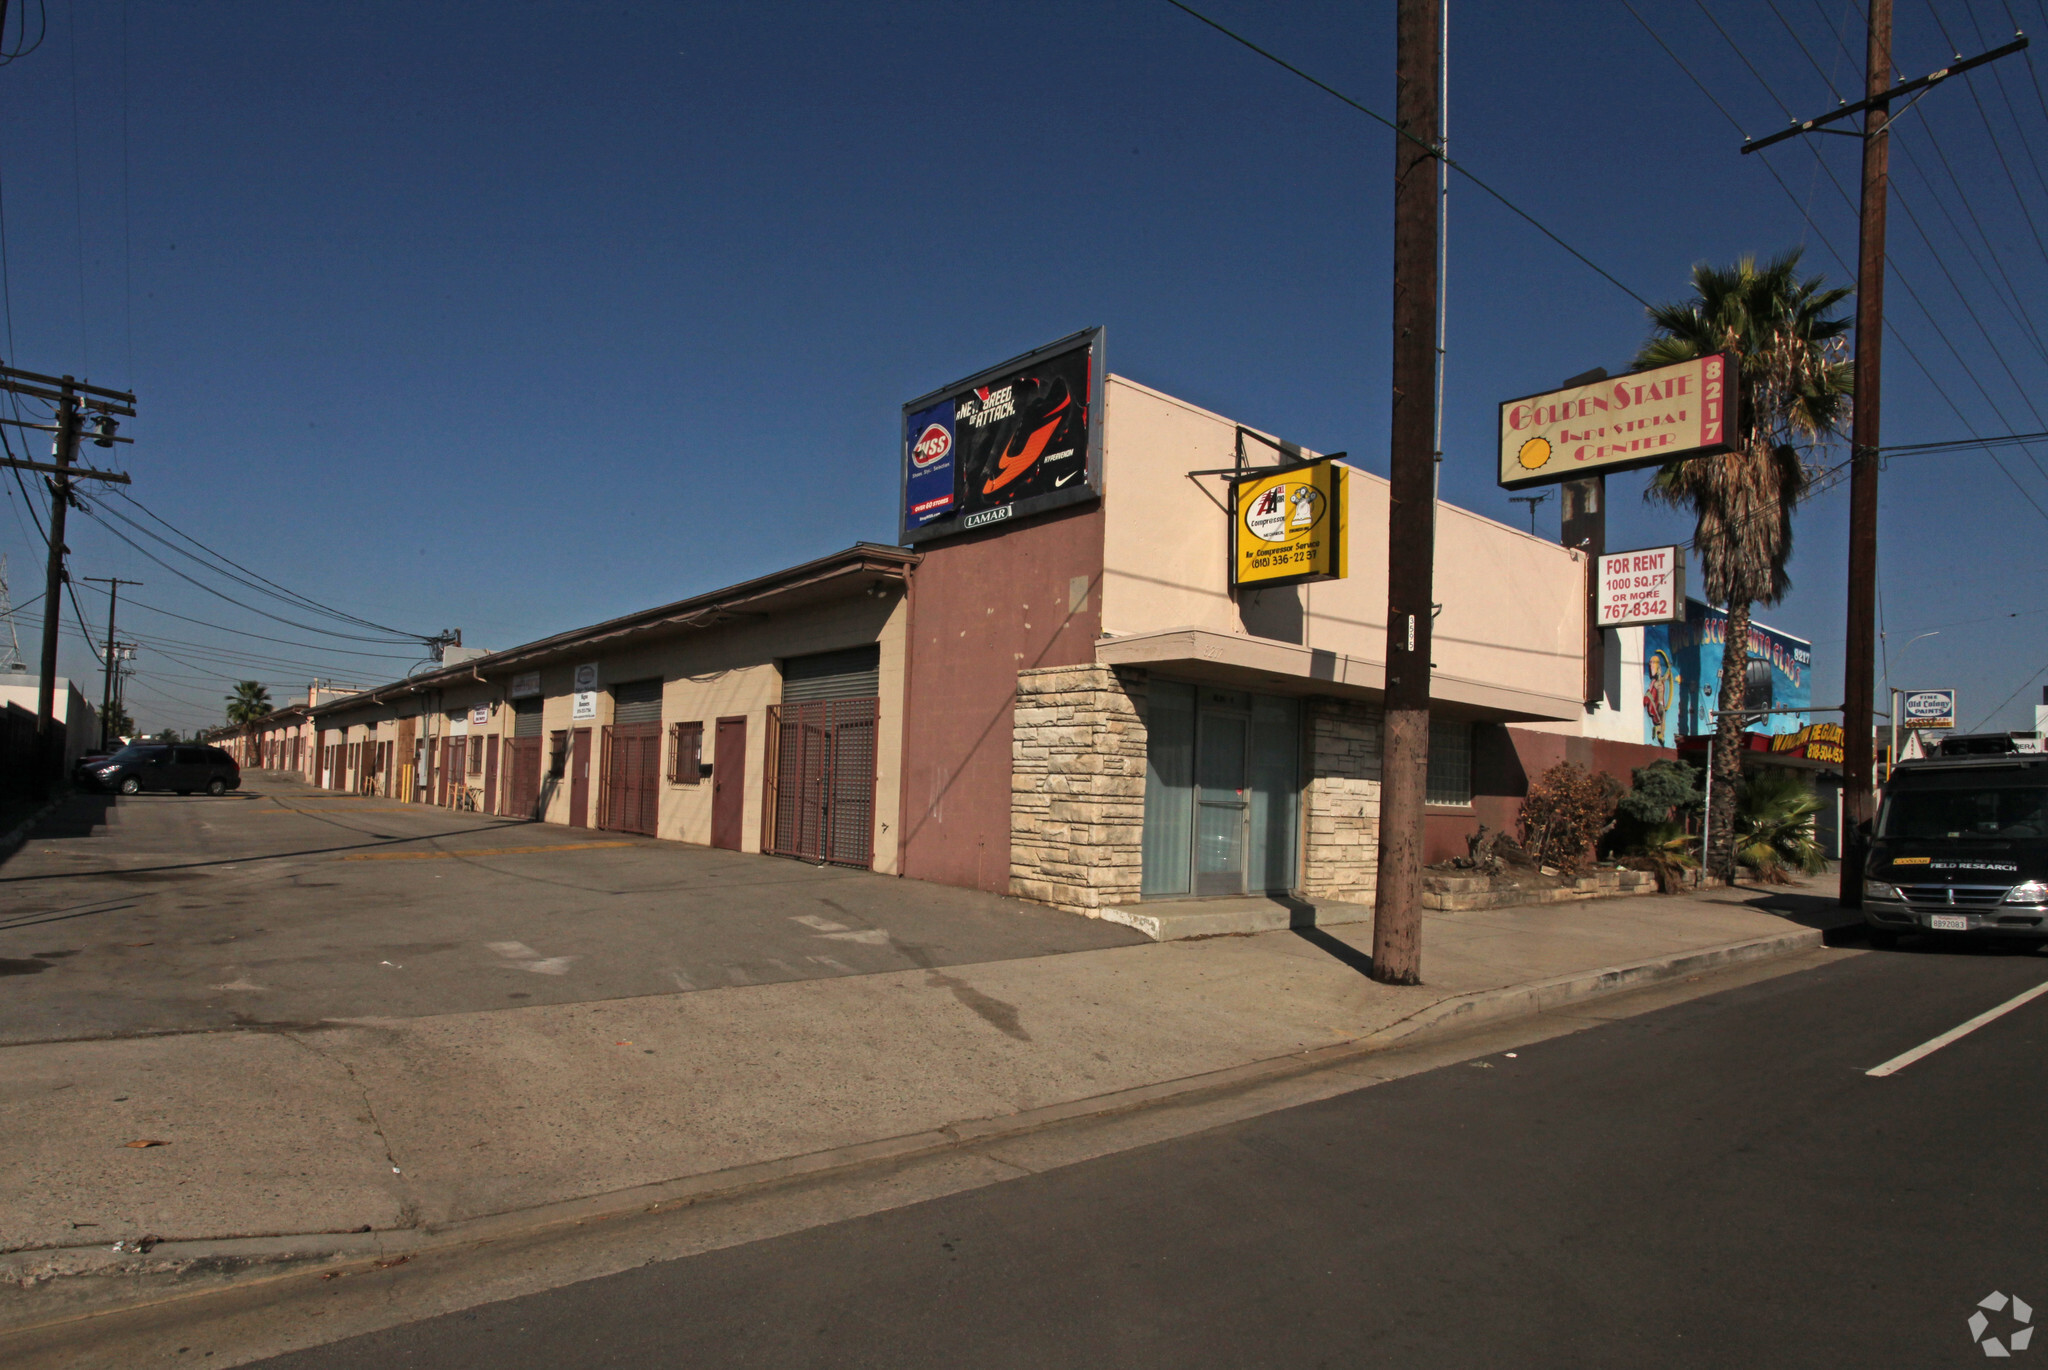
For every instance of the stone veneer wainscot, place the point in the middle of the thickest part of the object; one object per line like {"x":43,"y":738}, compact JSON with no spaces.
{"x":1077,"y":791}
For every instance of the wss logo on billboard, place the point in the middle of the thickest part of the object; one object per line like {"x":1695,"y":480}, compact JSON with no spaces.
{"x":932,"y":445}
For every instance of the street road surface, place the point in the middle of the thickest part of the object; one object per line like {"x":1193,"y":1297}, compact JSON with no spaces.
{"x":1713,"y":1184}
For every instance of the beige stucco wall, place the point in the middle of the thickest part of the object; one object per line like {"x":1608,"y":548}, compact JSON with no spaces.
{"x":708,"y":674}
{"x":1512,"y":603}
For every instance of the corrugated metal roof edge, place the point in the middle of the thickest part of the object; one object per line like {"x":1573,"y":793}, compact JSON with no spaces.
{"x":862,"y":556}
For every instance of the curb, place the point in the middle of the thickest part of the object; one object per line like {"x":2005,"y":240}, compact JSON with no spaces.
{"x":175,"y":1271}
{"x":17,"y":836}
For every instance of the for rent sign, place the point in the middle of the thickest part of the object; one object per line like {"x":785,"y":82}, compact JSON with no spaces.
{"x":1643,"y":419}
{"x":1643,"y":586}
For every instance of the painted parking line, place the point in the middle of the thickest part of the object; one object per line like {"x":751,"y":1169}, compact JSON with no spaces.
{"x":480,"y":851}
{"x":1929,"y":1047}
{"x":409,"y":808}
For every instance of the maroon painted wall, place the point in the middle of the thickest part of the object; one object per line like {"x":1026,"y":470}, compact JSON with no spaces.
{"x":1504,"y":761}
{"x":982,"y":608}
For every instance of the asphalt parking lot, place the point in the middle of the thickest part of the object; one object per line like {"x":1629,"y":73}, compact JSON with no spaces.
{"x":284,"y":905}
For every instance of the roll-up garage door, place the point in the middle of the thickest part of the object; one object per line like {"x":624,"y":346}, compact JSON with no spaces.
{"x":632,"y":759}
{"x":824,"y":765}
{"x":852,"y":674}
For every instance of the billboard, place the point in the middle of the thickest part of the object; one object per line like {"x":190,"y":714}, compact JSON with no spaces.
{"x":1015,"y":440}
{"x":1928,"y":709}
{"x":1643,"y":586}
{"x":1287,"y":527}
{"x":1682,"y":676}
{"x":1645,"y":418}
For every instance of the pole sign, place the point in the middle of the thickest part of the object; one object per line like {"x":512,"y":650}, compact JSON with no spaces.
{"x":1287,"y":527}
{"x":1015,"y":440}
{"x":1646,"y":418}
{"x":1643,"y":586}
{"x":1928,"y":709}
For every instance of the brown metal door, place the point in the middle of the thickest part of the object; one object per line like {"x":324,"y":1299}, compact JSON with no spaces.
{"x":491,"y":774}
{"x":729,"y":783}
{"x":523,"y":789}
{"x":579,"y":778}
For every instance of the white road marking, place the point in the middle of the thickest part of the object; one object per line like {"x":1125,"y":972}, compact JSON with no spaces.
{"x":817,"y":924}
{"x":834,"y":962}
{"x":682,"y":981}
{"x":523,"y":957}
{"x":1928,"y":1048}
{"x":241,"y":982}
{"x":870,"y":937}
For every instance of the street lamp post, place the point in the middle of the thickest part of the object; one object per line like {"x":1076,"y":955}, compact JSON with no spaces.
{"x":1892,"y":757}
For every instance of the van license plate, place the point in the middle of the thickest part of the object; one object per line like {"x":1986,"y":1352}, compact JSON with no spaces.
{"x":1950,"y":922}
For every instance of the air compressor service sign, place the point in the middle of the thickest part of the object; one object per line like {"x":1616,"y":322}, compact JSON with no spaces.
{"x":1289,"y":527}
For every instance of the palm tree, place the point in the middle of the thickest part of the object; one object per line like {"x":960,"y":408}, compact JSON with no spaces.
{"x":249,"y":702}
{"x":1774,"y":826}
{"x":1793,"y":384}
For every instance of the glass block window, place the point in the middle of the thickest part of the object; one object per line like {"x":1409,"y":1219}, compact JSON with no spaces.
{"x":1450,"y":764}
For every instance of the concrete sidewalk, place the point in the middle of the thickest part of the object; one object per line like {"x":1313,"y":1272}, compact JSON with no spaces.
{"x":340,"y":1127}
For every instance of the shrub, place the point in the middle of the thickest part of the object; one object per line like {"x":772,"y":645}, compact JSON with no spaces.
{"x":1566,"y":811}
{"x":1662,"y":789}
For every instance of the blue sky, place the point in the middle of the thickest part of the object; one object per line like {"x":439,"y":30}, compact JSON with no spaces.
{"x":515,"y":316}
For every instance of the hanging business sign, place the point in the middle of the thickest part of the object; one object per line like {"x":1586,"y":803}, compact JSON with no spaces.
{"x":526,"y":685}
{"x":1645,"y":418}
{"x":1928,"y":709}
{"x":479,"y":715}
{"x":1643,"y":586}
{"x":1287,"y":527}
{"x":1015,"y":440}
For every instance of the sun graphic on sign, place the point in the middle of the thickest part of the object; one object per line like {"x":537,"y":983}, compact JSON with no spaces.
{"x":1535,"y":452}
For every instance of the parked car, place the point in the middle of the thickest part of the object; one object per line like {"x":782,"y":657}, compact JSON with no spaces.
{"x":1960,"y":846}
{"x":181,"y":769}
{"x":88,"y":766}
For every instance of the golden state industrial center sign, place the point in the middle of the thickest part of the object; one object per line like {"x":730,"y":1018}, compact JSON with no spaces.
{"x":1287,"y":526}
{"x":1645,"y":418}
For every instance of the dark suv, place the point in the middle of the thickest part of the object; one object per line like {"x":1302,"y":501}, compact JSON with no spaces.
{"x":181,"y":768}
{"x":1961,"y":846}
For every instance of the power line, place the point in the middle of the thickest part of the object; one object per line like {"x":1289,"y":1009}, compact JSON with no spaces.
{"x":265,"y":637}
{"x":2011,"y":697}
{"x":275,"y":590}
{"x":1436,"y":152}
{"x":2011,"y":294}
{"x":1891,"y":328}
{"x":292,"y":623}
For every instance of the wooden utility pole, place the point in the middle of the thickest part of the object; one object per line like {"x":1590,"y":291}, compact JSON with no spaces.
{"x":48,"y":758}
{"x":1859,"y":665}
{"x":112,"y":660}
{"x":65,"y":400}
{"x":1411,"y":531}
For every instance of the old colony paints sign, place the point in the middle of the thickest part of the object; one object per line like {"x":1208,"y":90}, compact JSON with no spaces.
{"x":1288,"y":528}
{"x":1646,"y":418}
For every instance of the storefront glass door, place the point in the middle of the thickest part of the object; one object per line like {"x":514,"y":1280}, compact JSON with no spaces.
{"x":1221,"y":799}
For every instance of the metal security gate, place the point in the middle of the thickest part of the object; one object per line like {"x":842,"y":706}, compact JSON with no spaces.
{"x":824,"y":770}
{"x":632,"y":778}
